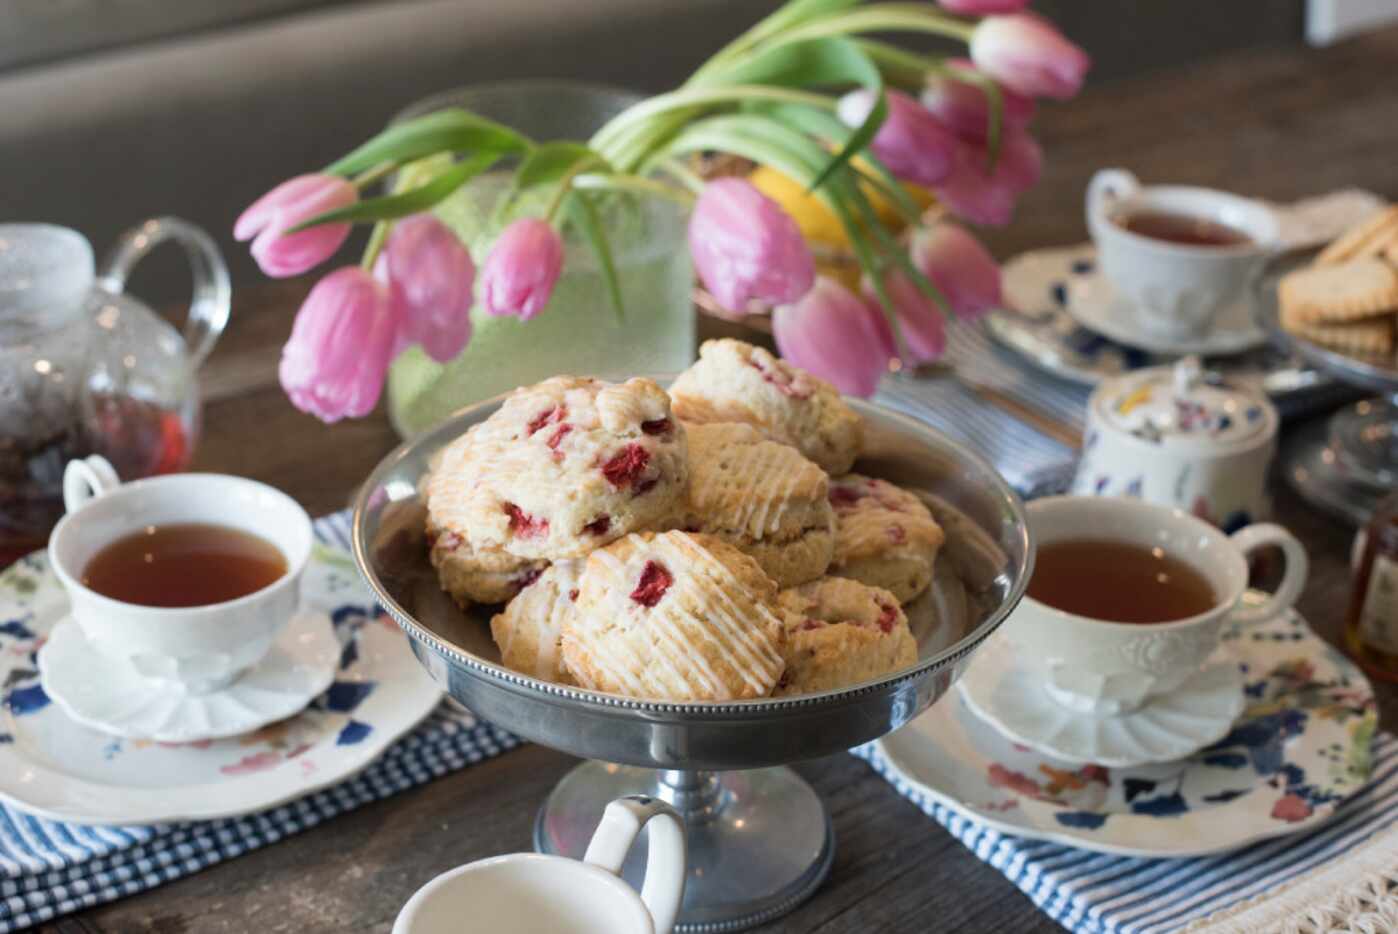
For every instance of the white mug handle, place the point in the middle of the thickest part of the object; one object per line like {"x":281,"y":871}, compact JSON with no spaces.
{"x":663,"y":887}
{"x":1252,"y":537}
{"x":1108,"y":185}
{"x":86,"y":479}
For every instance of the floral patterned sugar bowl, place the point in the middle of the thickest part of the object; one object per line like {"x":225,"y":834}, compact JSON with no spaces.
{"x":1170,"y":436}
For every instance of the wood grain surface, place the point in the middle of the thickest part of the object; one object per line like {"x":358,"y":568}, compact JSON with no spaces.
{"x":1281,"y":123}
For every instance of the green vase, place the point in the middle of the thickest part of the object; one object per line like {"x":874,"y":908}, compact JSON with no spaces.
{"x":580,"y":331}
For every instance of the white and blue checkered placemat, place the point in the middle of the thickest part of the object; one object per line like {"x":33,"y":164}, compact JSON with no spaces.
{"x":1096,"y":893}
{"x":49,"y":868}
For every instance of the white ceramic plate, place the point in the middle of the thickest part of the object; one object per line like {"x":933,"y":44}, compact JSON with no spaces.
{"x":54,"y":767}
{"x":1005,"y":693}
{"x":1301,"y":746}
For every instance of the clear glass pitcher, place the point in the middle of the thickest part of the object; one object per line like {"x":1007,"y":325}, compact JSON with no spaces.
{"x":87,"y":369}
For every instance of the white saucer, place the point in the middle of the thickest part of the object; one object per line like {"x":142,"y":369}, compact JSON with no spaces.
{"x":1001,"y":690}
{"x":112,"y":697}
{"x":1095,"y":305}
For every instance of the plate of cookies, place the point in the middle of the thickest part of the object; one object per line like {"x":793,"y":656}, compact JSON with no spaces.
{"x":1338,"y":307}
{"x":731,"y":569}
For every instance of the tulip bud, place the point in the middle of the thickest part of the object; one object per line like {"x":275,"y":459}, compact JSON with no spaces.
{"x":334,"y":364}
{"x":521,"y":269}
{"x":959,"y":266}
{"x":836,"y":335}
{"x":982,"y":7}
{"x":1029,"y":56}
{"x":293,"y":202}
{"x":964,"y":108}
{"x":983,"y":196}
{"x":911,"y":142}
{"x":920,"y":322}
{"x":746,"y":248}
{"x":431,"y":275}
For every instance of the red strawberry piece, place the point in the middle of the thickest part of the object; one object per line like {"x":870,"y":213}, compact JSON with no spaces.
{"x":626,"y":466}
{"x":658,"y":426}
{"x":558,"y":435}
{"x":655,"y":580}
{"x":573,"y":595}
{"x":546,"y":417}
{"x":896,"y":534}
{"x":888,"y":617}
{"x":523,"y":524}
{"x":842,"y":497}
{"x":808,"y":624}
{"x":598,"y":526}
{"x":796,"y":388}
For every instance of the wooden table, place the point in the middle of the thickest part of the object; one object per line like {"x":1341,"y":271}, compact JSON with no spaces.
{"x":1280,"y":124}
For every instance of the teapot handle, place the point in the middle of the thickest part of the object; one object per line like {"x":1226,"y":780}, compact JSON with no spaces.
{"x":208,"y":310}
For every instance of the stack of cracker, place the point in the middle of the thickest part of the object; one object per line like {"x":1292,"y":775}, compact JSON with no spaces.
{"x":1347,"y":298}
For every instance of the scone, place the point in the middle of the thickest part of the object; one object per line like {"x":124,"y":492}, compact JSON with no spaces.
{"x":561,"y":468}
{"x":472,"y":576}
{"x":674,"y":616}
{"x":884,"y":536}
{"x":840,"y":632}
{"x":763,"y":498}
{"x":737,"y":382}
{"x":529,"y":631}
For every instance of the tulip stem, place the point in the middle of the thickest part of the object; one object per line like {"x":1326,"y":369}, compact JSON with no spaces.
{"x":377,"y":238}
{"x":636,"y":183}
{"x":370,"y":176}
{"x":567,"y":182}
{"x":885,"y":17}
{"x":704,"y":96}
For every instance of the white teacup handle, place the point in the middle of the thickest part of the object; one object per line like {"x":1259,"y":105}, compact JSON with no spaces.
{"x":1252,"y":537}
{"x":665,"y":859}
{"x":86,"y":479}
{"x":1108,"y":185}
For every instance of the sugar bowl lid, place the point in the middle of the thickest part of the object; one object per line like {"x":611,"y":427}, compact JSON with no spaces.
{"x":1177,"y":406}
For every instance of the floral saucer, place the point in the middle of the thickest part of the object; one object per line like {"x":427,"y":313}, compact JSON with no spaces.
{"x":54,"y":767}
{"x":112,"y":696}
{"x":1001,"y":690}
{"x":1300,"y":747}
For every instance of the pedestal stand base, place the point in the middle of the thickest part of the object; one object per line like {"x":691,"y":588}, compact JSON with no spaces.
{"x":760,"y":842}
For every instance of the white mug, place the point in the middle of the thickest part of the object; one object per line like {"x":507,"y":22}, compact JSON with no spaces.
{"x":1107,"y":668}
{"x":1177,"y":289}
{"x":530,"y":893}
{"x":202,"y":648}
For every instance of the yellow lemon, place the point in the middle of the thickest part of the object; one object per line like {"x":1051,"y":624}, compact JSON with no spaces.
{"x":818,"y":224}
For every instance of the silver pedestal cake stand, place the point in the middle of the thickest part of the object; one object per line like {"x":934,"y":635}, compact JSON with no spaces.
{"x":759,"y":837}
{"x":1349,"y":463}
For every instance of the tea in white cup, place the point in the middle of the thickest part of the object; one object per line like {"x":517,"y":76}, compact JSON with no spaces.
{"x":105,"y":551}
{"x":1178,"y":254}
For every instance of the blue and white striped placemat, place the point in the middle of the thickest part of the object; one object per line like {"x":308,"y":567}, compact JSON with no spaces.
{"x":1096,"y":893}
{"x":49,"y":868}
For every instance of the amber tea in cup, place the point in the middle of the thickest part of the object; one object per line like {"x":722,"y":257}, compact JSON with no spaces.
{"x":1118,"y":582}
{"x":1183,"y":229}
{"x":184,"y":565}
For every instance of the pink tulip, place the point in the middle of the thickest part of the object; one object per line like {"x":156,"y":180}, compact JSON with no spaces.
{"x":521,"y":270}
{"x":1029,"y":56}
{"x":920,"y":322}
{"x":281,"y":254}
{"x":982,"y":7}
{"x":746,"y":248}
{"x":912,"y":143}
{"x":964,"y":108}
{"x":431,"y":275}
{"x":974,"y":192}
{"x":836,"y":335}
{"x":334,"y":364}
{"x":959,"y":266}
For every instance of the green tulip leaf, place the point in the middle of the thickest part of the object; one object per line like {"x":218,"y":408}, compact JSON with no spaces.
{"x":424,"y":196}
{"x":451,"y":130}
{"x":552,"y":161}
{"x":583,"y":215}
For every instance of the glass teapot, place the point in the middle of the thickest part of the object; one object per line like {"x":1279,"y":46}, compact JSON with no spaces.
{"x":87,"y":369}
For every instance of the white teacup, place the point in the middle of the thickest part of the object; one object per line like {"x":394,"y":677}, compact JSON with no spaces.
{"x":1101,"y":667}
{"x":203,"y":648}
{"x":530,"y":893}
{"x":1177,"y":289}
